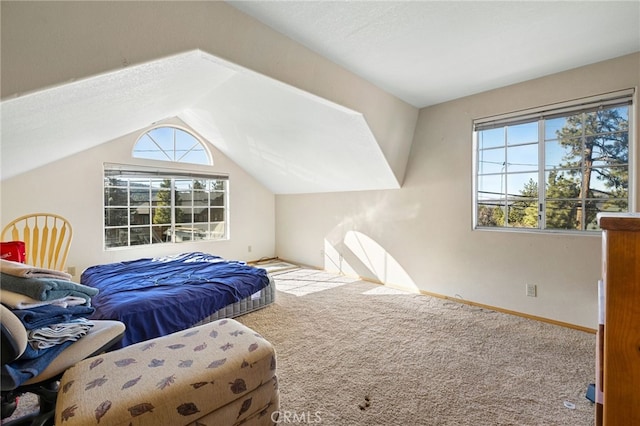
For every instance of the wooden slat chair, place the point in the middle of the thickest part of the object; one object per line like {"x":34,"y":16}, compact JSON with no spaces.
{"x":47,"y":239}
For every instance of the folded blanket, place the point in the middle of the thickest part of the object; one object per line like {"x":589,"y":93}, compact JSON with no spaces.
{"x":55,"y":334}
{"x":27,"y":271}
{"x":22,"y":369}
{"x":44,"y":316}
{"x":45,"y":288}
{"x":15,"y":300}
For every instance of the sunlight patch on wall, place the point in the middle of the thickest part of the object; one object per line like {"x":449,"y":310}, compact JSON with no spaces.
{"x":362,"y":256}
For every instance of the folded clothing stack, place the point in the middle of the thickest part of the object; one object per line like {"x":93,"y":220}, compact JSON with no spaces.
{"x":53,"y":310}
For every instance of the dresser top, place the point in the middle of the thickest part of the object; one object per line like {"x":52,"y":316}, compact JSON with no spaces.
{"x":619,"y":221}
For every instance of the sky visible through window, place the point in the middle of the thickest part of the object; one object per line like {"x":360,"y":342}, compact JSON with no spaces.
{"x":171,"y":144}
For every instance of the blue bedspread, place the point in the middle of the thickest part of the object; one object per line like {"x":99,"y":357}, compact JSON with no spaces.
{"x":157,"y":296}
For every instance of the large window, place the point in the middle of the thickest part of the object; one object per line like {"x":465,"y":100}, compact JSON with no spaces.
{"x":554,"y":168}
{"x":154,"y":207}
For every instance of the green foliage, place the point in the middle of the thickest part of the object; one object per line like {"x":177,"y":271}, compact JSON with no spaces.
{"x":597,"y":151}
{"x":163,"y":215}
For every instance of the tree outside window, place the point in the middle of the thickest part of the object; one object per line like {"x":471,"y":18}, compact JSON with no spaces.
{"x":581,"y":156}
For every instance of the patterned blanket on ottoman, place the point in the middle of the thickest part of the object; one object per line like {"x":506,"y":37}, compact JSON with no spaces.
{"x":221,"y":373}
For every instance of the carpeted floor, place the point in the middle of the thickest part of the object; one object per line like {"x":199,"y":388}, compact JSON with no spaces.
{"x":355,"y":353}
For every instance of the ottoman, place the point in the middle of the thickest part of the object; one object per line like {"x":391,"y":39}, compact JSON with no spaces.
{"x":221,"y":373}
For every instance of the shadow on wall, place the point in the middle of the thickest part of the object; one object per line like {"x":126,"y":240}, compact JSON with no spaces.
{"x":359,"y":255}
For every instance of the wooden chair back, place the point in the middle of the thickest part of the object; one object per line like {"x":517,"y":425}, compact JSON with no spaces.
{"x":47,"y":239}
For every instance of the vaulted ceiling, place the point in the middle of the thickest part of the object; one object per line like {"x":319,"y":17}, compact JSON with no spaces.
{"x":268,"y":128}
{"x":290,"y":139}
{"x":428,"y":52}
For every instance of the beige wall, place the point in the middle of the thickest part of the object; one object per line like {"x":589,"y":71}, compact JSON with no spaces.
{"x":72,"y":187}
{"x":421,"y":235}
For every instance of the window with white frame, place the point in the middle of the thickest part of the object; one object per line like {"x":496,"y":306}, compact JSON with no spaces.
{"x":155,"y":207}
{"x":554,"y":168}
{"x":169,"y":143}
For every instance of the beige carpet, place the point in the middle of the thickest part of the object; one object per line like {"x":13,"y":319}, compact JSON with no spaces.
{"x":355,"y":353}
{"x":360,"y":354}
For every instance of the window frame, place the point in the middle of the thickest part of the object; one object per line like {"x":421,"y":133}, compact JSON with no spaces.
{"x":155,"y":176}
{"x":163,"y":152}
{"x":541,"y":116}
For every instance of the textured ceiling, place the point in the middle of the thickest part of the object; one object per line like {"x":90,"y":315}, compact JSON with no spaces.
{"x":288,"y":139}
{"x":428,"y":52}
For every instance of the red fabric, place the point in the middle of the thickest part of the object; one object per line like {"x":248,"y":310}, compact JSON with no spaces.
{"x":13,"y":250}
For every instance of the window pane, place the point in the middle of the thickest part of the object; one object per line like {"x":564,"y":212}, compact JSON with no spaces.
{"x":116,"y":217}
{"x":553,"y":126}
{"x":140,"y":236}
{"x":610,"y":149}
{"x":491,"y":214}
{"x":217,"y":230}
{"x":161,"y":234}
{"x":219,"y":185}
{"x":491,"y":187}
{"x":183,"y":198}
{"x":171,"y":144}
{"x":200,"y":215}
{"x":562,"y":214}
{"x":139,"y":196}
{"x":522,"y":133}
{"x":562,"y":184}
{"x":201,"y":232}
{"x":200,"y":198}
{"x":183,"y":184}
{"x":561,"y":155}
{"x":115,"y":197}
{"x":216,"y":214}
{"x":161,"y":215}
{"x":564,"y":127}
{"x":491,"y":138}
{"x":163,"y":139}
{"x":522,"y":184}
{"x":183,"y":233}
{"x":186,"y":216}
{"x":491,"y":161}
{"x":523,"y":213}
{"x":117,"y":237}
{"x":195,"y":156}
{"x":160,"y":183}
{"x":217,"y":199}
{"x":522,"y":158}
{"x":610,"y":181}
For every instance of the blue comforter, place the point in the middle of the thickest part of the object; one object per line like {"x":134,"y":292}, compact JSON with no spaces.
{"x":157,"y":296}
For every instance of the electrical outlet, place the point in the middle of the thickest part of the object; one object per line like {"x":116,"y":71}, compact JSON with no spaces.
{"x":532,"y":290}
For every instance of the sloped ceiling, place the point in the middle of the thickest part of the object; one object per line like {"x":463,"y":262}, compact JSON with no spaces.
{"x":288,"y":139}
{"x":428,"y":52}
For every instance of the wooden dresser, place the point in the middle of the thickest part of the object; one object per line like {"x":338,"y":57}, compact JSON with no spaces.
{"x":618,"y":357}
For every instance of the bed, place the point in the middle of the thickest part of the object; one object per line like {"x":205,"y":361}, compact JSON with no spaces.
{"x":158,"y":296}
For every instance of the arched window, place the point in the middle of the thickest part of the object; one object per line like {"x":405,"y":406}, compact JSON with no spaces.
{"x":169,"y":143}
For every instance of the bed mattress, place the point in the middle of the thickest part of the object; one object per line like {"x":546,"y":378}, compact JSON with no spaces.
{"x":256,"y":301}
{"x":157,"y":296}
